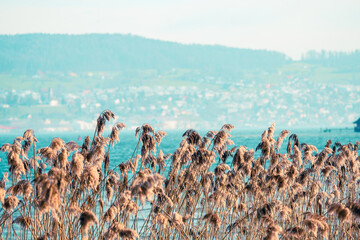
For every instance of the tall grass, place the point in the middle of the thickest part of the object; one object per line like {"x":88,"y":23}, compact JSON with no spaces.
{"x":67,"y":191}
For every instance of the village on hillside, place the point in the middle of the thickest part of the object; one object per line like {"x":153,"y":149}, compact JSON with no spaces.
{"x":210,"y":103}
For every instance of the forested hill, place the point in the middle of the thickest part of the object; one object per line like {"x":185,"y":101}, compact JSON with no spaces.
{"x":342,"y":61}
{"x":29,"y":53}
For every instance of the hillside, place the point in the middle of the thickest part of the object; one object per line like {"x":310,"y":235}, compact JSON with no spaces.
{"x":57,"y":82}
{"x":29,"y":53}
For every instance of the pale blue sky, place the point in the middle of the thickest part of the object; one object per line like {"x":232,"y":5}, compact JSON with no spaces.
{"x":292,"y":27}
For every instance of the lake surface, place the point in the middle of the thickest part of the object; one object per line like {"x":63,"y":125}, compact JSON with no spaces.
{"x":124,"y":149}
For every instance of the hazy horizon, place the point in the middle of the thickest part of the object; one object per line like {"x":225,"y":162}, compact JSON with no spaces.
{"x":290,"y":27}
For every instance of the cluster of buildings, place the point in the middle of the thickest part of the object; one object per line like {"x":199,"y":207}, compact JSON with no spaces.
{"x":206,"y":104}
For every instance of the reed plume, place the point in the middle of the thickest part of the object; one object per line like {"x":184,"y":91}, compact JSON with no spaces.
{"x":87,"y":219}
{"x":10,"y":203}
{"x":77,"y":164}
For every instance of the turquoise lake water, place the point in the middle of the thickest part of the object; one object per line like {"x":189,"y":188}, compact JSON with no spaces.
{"x":124,"y":149}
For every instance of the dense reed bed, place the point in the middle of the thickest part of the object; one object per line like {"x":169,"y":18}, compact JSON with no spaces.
{"x":207,"y":189}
